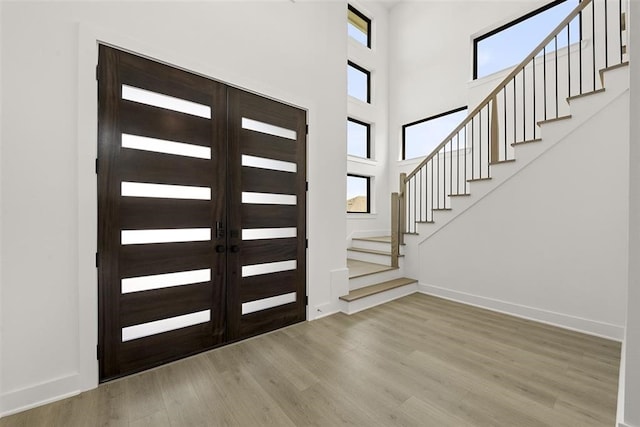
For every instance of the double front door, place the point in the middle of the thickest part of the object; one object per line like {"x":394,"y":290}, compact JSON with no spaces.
{"x":201,"y":213}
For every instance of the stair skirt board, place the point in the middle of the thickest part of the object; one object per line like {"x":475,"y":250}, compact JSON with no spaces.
{"x":377,"y":299}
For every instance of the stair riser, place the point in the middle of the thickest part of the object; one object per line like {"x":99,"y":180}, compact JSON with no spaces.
{"x":377,"y":299}
{"x":376,"y":246}
{"x":374,"y":258}
{"x":361,"y":282}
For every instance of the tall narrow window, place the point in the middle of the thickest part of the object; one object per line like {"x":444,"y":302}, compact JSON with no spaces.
{"x":358,"y":82}
{"x":358,"y":138}
{"x":358,"y":194}
{"x":358,"y":26}
{"x":421,"y":137}
{"x":507,"y":46}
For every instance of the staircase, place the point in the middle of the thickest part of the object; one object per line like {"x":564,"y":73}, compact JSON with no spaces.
{"x":542,"y":100}
{"x":579,"y":110}
{"x":372,"y":278}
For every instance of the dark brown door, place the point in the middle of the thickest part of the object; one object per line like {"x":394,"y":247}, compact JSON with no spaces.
{"x":267,"y":156}
{"x":170,"y":255}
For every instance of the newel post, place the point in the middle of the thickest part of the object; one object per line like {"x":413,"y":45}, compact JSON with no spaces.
{"x":395,"y":229}
{"x":495,"y":131}
{"x":402,"y":208}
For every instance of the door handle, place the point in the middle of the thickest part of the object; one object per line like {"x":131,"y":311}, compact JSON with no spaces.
{"x":220,"y":248}
{"x":234,"y":249}
{"x":219,"y":230}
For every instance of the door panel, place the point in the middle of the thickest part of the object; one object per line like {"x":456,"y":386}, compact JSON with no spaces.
{"x":186,"y":317}
{"x":201,"y":214}
{"x":269,"y":130}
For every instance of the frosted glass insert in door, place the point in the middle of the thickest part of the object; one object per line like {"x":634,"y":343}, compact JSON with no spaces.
{"x":155,"y":99}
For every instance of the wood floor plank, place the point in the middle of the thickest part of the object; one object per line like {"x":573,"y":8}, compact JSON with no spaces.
{"x":415,"y":361}
{"x":157,"y":419}
{"x":143,"y":395}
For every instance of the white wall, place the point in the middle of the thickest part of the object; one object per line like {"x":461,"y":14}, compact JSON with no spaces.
{"x":630,"y":376}
{"x":551,"y":242}
{"x":376,"y":61}
{"x":430,"y":57}
{"x":290,"y":51}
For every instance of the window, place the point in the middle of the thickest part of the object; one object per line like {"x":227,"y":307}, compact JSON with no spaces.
{"x":358,"y":138}
{"x":358,"y":82}
{"x":421,"y":137}
{"x":358,"y":26}
{"x":507,"y":46}
{"x":358,"y":194}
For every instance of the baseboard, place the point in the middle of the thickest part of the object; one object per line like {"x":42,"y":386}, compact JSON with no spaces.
{"x":325,"y":314}
{"x":39,"y":394}
{"x":586,"y":326}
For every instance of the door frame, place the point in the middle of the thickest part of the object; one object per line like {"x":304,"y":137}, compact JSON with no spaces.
{"x":89,"y":37}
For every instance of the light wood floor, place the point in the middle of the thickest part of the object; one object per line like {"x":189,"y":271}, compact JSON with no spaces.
{"x":415,"y":361}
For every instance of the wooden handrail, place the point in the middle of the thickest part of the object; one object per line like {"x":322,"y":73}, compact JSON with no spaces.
{"x":503,"y":84}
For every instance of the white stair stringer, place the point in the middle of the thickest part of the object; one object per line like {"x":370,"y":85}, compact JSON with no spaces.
{"x":552,"y":132}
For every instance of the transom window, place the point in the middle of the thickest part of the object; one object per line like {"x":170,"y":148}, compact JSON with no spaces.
{"x":358,"y":194}
{"x":358,"y":26}
{"x":358,"y":138}
{"x":421,"y":137}
{"x":507,"y":46}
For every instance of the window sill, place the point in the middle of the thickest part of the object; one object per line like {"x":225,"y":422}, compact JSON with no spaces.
{"x":364,"y":161}
{"x":411,"y":162}
{"x":358,"y":102}
{"x":355,"y":215}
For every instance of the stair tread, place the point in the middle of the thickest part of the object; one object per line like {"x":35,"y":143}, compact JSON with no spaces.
{"x":582,"y":95}
{"x":613,"y":67}
{"x":377,"y":288}
{"x":528,"y":141}
{"x":555,"y":119}
{"x":382,"y":239}
{"x":370,"y":251}
{"x":359,"y":268}
{"x":499,"y":162}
